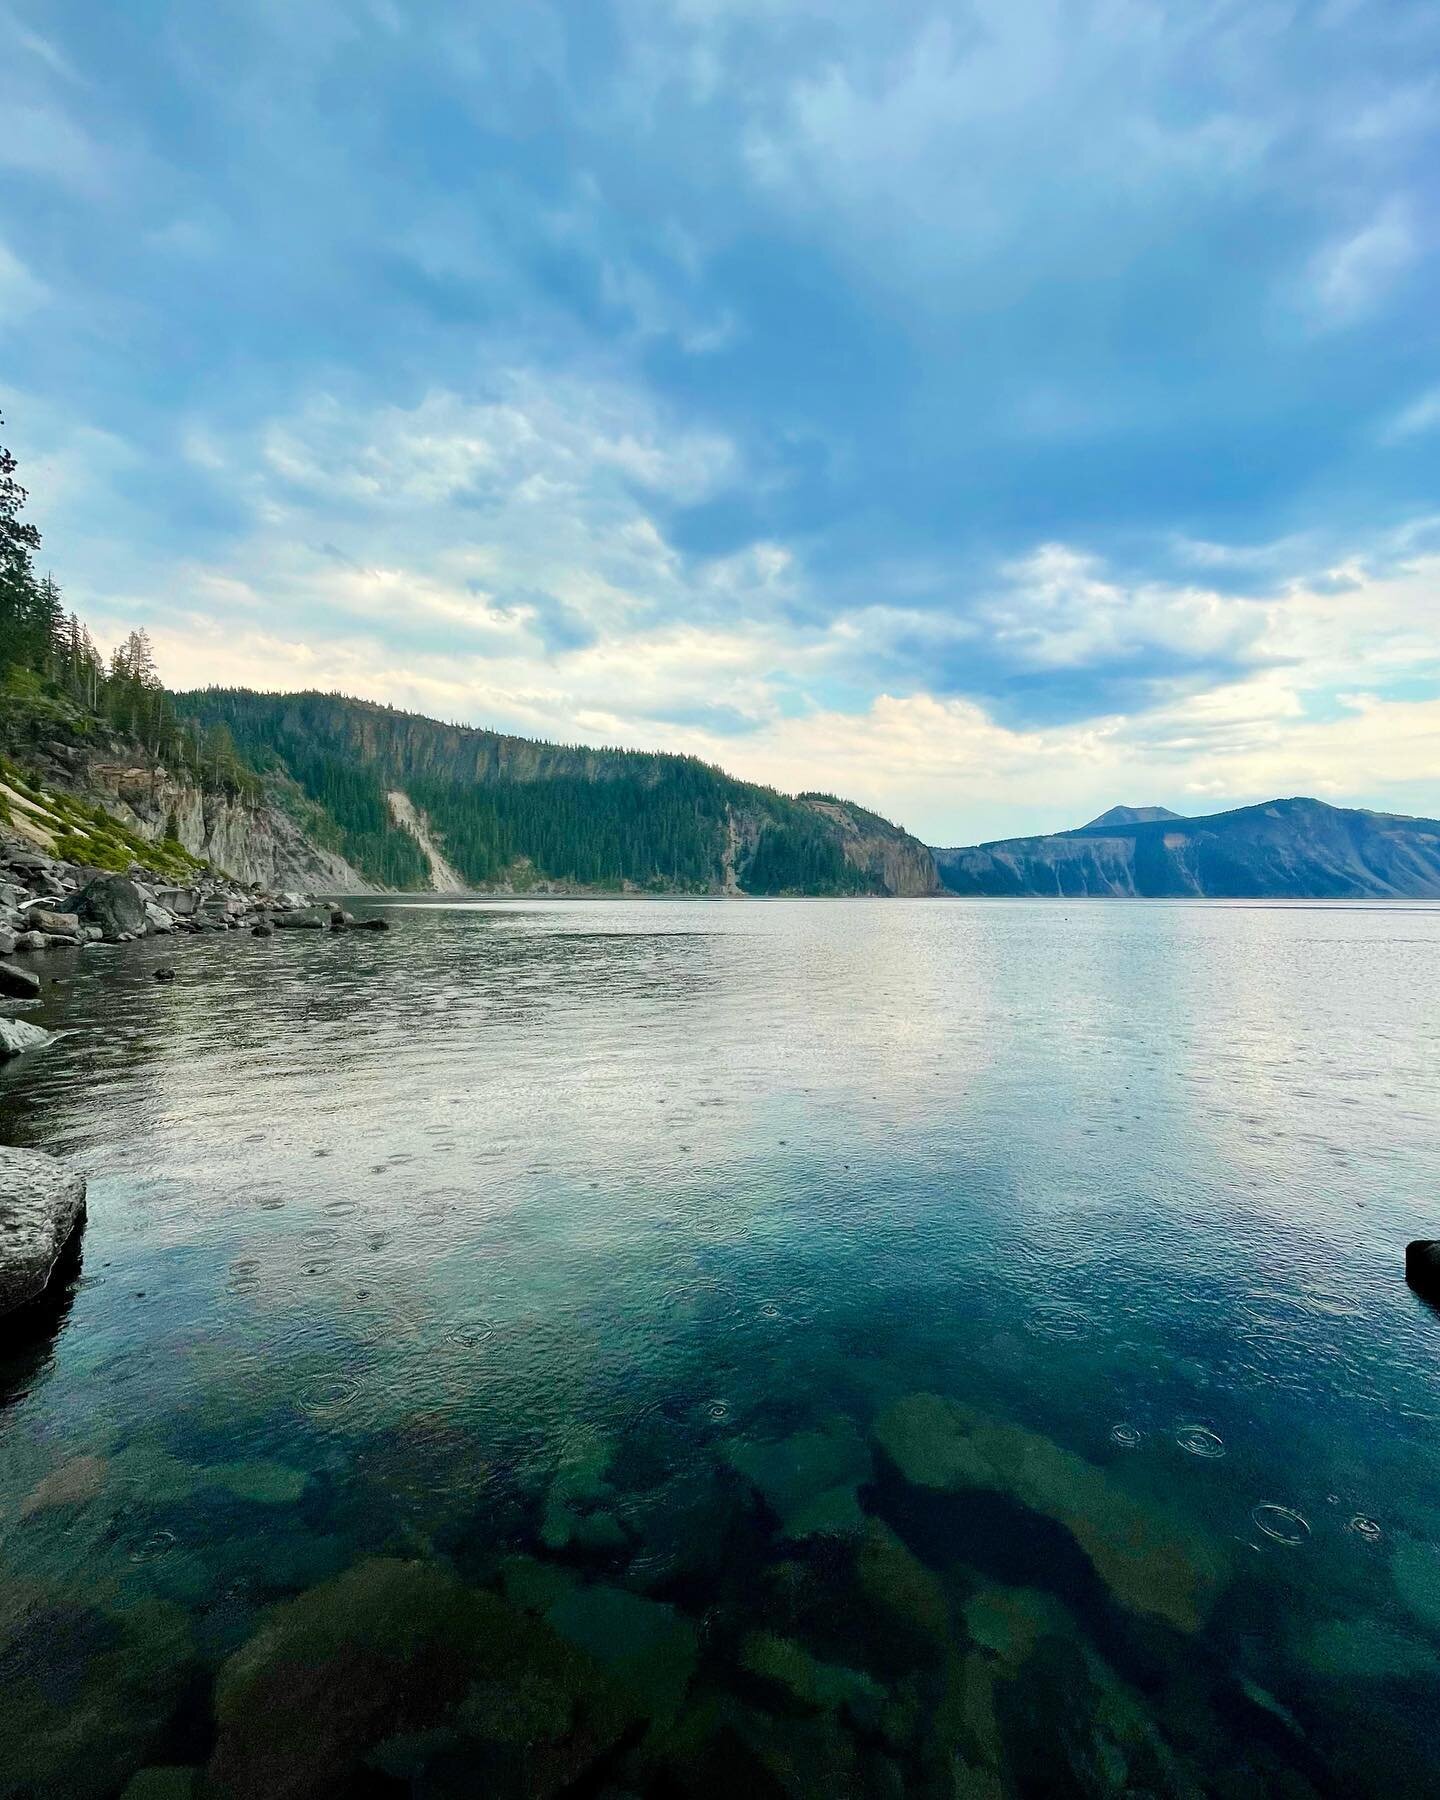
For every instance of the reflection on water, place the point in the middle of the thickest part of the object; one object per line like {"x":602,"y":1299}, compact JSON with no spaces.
{"x":696,"y":1348}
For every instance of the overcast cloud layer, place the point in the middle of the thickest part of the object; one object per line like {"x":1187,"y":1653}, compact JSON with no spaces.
{"x":990,"y":411}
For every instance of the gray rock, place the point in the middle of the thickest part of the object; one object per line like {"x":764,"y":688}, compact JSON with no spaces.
{"x":308,"y":920}
{"x":41,"y":1203}
{"x":20,"y":984}
{"x":113,"y":903}
{"x":161,"y":921}
{"x":8,"y":941}
{"x":372,"y":925}
{"x":178,"y":900}
{"x":17,"y":1035}
{"x":32,"y":940}
{"x":53,"y":924}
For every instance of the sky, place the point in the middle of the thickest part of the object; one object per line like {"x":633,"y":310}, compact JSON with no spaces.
{"x":991,"y":411}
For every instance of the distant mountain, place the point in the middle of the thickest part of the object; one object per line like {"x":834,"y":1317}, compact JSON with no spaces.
{"x":412,"y":803}
{"x":1131,"y":815}
{"x":1284,"y":849}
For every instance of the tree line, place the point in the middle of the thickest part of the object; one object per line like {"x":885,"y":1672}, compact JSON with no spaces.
{"x":45,"y":650}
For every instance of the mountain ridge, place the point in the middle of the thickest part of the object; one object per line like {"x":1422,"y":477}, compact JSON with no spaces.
{"x":1295,"y":848}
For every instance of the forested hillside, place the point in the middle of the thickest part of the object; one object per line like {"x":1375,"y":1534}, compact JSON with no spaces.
{"x":515,"y":813}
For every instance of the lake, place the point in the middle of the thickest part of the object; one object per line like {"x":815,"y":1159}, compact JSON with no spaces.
{"x":707,"y":1348}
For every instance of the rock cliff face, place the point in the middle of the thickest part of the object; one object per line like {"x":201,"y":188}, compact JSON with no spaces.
{"x":898,"y":863}
{"x":263,"y":843}
{"x":252,"y":843}
{"x":1284,"y":849}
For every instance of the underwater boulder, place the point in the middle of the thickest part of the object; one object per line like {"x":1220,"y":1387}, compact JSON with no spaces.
{"x":577,"y":1514}
{"x":174,"y":1782}
{"x":810,"y":1480}
{"x":647,"y":1648}
{"x":88,"y":1695}
{"x":1153,"y":1561}
{"x":820,"y":1686}
{"x":331,"y":1673}
{"x":398,"y":1665}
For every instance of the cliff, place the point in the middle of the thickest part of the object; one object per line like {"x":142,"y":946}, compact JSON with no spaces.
{"x":1283,"y":849}
{"x":72,"y":755}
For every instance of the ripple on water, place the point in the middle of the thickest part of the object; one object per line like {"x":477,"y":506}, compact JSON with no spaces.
{"x":153,"y":1546}
{"x":1282,"y":1523}
{"x":1128,"y":1437}
{"x":1200,"y":1440}
{"x":1363,"y":1526}
{"x":329,"y":1396}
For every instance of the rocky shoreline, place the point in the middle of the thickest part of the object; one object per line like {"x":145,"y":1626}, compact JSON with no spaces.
{"x":47,"y":904}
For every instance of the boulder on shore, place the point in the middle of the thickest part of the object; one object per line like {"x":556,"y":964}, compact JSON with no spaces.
{"x":41,"y":1203}
{"x":53,"y":924}
{"x":113,"y":903}
{"x":17,"y":1035}
{"x":307,"y":919}
{"x":19,"y":984}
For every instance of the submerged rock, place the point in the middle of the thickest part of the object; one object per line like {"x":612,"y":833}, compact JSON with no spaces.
{"x":1415,"y":1569}
{"x":113,"y":903}
{"x":1365,"y":1650}
{"x":577,"y":1507}
{"x":822,"y":1686}
{"x":398,"y":1667}
{"x":1153,"y":1561}
{"x":41,"y":1203}
{"x":172,"y":1783}
{"x":898,"y":1588}
{"x":648,"y":1648}
{"x":86,"y":1693}
{"x":74,"y":1483}
{"x":810,"y":1480}
{"x":334,"y":1672}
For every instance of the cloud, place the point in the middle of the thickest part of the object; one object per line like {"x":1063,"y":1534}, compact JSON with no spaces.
{"x":43,"y":141}
{"x":753,"y":376}
{"x":20,"y":291}
{"x":1352,"y":274}
{"x":1420,"y":416}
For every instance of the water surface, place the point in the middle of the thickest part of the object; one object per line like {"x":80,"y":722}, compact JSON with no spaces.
{"x":666,"y":1348}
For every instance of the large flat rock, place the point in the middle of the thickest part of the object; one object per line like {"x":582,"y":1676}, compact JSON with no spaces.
{"x":41,"y":1203}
